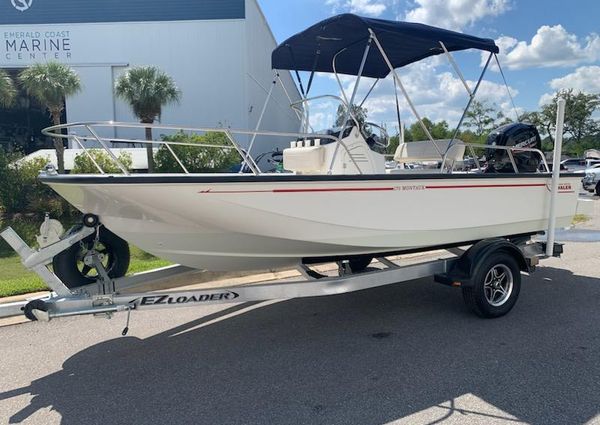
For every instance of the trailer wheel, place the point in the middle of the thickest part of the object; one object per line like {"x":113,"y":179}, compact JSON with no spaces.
{"x":359,"y":263}
{"x":496,"y":286}
{"x":70,"y":267}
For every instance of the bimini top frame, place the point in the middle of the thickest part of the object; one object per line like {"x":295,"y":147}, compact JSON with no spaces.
{"x":343,"y":45}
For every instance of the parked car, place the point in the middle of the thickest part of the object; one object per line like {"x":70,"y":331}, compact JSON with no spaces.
{"x":579,"y":165}
{"x":591,"y":181}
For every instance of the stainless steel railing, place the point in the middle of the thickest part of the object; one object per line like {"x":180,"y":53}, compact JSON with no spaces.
{"x":92,"y":129}
{"x":509,"y":150}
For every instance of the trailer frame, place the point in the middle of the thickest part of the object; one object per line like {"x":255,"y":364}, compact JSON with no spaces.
{"x":105,"y":296}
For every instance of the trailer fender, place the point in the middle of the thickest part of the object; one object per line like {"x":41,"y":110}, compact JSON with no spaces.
{"x":461,"y":272}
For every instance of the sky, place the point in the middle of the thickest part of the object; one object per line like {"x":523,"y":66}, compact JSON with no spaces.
{"x":544,"y":46}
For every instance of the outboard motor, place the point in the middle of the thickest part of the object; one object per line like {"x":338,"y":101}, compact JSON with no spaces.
{"x":520,"y":135}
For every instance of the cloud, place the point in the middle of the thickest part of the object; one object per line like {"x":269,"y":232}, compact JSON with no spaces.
{"x":455,"y":14}
{"x":436,"y":95}
{"x":585,"y":79}
{"x":361,"y":7}
{"x":322,"y":114}
{"x":545,"y":99}
{"x":551,"y":46}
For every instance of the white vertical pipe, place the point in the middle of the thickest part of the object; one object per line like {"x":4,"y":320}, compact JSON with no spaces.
{"x":349,"y":110}
{"x":558,"y":139}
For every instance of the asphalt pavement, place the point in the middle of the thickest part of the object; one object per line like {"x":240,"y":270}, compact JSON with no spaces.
{"x":408,"y":353}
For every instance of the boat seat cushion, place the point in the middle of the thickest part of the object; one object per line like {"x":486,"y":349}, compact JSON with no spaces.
{"x":425,"y":151}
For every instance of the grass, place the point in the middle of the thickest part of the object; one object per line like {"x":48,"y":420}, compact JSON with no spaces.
{"x":580,"y":218}
{"x":16,"y":279}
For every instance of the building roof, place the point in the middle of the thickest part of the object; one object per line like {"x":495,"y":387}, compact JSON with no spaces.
{"x":18,"y":12}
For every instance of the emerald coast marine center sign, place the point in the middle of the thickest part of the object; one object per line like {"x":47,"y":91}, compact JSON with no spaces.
{"x":32,"y":45}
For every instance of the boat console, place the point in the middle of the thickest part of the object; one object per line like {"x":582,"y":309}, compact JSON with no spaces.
{"x":351,"y":155}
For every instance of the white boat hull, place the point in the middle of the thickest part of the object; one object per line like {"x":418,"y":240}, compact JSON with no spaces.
{"x":245,"y":224}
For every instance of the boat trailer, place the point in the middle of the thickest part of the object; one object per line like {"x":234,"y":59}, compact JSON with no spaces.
{"x":488,"y":272}
{"x":477,"y":269}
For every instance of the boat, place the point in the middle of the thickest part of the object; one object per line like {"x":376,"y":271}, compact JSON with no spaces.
{"x":335,"y":199}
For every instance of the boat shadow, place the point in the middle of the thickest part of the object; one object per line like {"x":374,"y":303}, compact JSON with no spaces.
{"x":369,"y":357}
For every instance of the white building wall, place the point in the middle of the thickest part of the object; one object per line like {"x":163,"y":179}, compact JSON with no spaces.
{"x":96,"y":98}
{"x":214,"y":63}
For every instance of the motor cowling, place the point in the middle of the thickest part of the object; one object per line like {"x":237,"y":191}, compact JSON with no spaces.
{"x":520,"y":135}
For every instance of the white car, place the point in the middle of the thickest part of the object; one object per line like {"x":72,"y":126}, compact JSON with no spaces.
{"x":591,"y":181}
{"x":579,"y":165}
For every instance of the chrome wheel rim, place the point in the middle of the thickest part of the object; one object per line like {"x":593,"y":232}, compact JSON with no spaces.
{"x":84,"y":266}
{"x":498,"y":285}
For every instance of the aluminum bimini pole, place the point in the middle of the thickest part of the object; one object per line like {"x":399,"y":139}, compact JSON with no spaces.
{"x":512,"y":101}
{"x":349,"y":107}
{"x":260,"y":118}
{"x":456,"y":68}
{"x":287,"y":94}
{"x":337,"y":77}
{"x":471,"y":97}
{"x":410,"y":104}
{"x":369,"y":93}
{"x":273,"y":98}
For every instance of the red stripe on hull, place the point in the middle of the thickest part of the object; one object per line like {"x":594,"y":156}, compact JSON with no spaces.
{"x":372,"y":189}
{"x":341,"y":189}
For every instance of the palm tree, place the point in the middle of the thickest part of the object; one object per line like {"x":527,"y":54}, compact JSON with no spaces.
{"x":8,"y":92}
{"x":51,"y":83}
{"x":147,"y":89}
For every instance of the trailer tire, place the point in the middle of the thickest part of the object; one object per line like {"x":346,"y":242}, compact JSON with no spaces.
{"x":69,"y":266}
{"x":496,"y":283}
{"x":598,"y":189}
{"x":359,"y":263}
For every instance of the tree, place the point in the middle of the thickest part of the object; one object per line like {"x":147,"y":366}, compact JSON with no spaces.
{"x":147,"y":89}
{"x":537,"y":118}
{"x":479,"y":118}
{"x":51,"y":83}
{"x":579,"y":109}
{"x":438,"y":130}
{"x":358,"y":111}
{"x":8,"y":92}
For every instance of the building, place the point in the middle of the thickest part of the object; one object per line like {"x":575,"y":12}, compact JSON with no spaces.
{"x":218,"y":52}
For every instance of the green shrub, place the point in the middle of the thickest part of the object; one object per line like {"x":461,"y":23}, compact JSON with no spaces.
{"x":196,"y":159}
{"x":22,"y":193}
{"x":84,"y":165}
{"x":11,"y":183}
